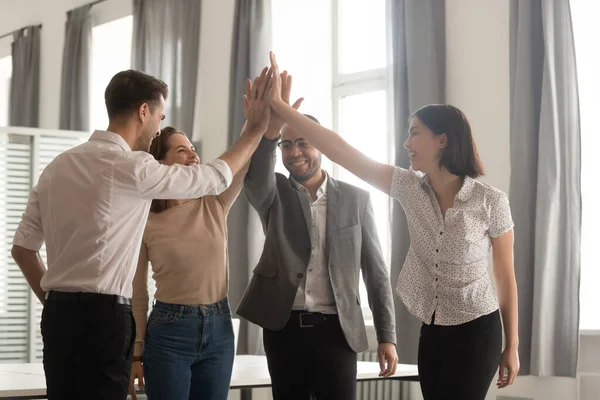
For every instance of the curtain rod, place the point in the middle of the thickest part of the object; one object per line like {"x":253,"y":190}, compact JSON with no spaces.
{"x":10,"y":33}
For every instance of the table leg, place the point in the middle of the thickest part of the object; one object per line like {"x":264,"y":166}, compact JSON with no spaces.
{"x":246,"y":394}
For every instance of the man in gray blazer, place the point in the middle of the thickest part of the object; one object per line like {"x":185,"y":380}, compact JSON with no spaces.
{"x":320,"y":235}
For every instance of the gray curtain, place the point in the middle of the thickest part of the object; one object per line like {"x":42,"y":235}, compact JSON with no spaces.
{"x":24,"y":104}
{"x":75,"y":80}
{"x":545,"y":192}
{"x":419,"y":69}
{"x":249,"y":54}
{"x":166,"y":43}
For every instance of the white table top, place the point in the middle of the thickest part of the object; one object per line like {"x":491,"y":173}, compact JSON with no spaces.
{"x":23,"y":380}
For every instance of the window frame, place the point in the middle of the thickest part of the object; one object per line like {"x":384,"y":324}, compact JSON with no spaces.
{"x":356,"y":83}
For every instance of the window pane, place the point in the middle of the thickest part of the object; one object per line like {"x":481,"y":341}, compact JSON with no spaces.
{"x":362,"y":35}
{"x":586,"y":31}
{"x":111,"y":53}
{"x":363,"y":123}
{"x":306,"y":54}
{"x":5,"y":75}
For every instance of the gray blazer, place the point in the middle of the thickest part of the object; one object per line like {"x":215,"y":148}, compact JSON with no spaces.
{"x":351,"y":246}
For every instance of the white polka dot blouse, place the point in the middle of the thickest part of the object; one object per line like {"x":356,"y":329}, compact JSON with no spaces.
{"x":446,"y":268}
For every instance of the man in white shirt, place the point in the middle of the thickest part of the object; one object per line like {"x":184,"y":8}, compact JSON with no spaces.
{"x":90,"y":207}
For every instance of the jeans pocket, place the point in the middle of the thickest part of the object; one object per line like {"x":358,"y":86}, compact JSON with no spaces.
{"x":162,"y":317}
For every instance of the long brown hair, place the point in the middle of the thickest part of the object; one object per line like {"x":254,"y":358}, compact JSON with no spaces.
{"x":159,"y":150}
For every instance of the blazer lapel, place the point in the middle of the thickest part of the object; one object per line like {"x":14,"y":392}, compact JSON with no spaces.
{"x":333,"y":212}
{"x":305,"y":203}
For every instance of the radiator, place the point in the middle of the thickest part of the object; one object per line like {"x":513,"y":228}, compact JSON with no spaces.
{"x":385,"y":390}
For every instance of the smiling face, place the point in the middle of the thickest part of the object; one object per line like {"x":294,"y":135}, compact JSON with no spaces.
{"x":424,"y":147}
{"x":300,"y":158}
{"x":180,"y":151}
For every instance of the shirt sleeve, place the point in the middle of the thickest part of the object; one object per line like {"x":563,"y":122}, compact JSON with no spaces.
{"x":500,"y":216}
{"x":30,"y":233}
{"x":403,"y":182}
{"x":158,"y":181}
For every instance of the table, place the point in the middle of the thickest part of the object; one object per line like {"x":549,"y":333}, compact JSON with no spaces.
{"x":27,"y":381}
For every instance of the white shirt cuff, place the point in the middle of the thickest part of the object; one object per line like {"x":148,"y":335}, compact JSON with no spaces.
{"x":224,"y":169}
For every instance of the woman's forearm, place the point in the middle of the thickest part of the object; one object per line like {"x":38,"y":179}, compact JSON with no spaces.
{"x":337,"y":149}
{"x":328,"y":142}
{"x":508,"y":300}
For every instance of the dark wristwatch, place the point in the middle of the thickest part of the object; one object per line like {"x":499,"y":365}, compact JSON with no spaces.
{"x":137,"y":358}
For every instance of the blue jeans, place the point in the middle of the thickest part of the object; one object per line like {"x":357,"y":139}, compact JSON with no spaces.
{"x":188,"y":352}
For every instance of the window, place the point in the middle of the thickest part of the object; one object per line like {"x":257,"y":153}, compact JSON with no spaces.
{"x":586,"y":30}
{"x":306,"y":54}
{"x":5,"y":75}
{"x":361,"y":100}
{"x":342,"y":72}
{"x":111,"y":53}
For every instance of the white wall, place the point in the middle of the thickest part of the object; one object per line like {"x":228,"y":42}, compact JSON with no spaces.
{"x":477,"y":78}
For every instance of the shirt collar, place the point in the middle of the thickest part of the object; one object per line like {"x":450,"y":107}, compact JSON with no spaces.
{"x":322,"y":190}
{"x":465,"y":192}
{"x":112,"y":137}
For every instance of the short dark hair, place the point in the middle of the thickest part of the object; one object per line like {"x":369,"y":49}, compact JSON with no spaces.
{"x":128,"y":90}
{"x":460,"y":157}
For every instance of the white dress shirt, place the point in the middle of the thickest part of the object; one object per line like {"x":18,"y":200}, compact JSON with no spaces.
{"x":90,"y":207}
{"x":446,"y":268}
{"x":315,"y":293}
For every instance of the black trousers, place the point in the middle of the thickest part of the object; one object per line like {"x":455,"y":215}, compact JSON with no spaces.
{"x":311,"y":362}
{"x":88,"y":346}
{"x":459,"y":362}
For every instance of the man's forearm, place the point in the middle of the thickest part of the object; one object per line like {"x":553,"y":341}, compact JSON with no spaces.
{"x":239,"y":154}
{"x":33,"y":268}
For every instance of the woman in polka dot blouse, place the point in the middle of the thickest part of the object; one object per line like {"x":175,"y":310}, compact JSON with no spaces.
{"x":453,"y":220}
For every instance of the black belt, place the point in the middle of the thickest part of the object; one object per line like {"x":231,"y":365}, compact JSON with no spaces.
{"x":304,"y":319}
{"x":84,"y":296}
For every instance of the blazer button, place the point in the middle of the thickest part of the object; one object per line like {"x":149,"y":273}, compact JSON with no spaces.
{"x":300,"y":275}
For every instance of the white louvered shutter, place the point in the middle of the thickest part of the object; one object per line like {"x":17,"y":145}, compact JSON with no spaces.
{"x":22,"y":159}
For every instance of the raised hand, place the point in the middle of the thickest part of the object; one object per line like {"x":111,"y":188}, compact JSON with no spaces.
{"x":276,"y":122}
{"x":275,"y":94}
{"x":256,"y":106}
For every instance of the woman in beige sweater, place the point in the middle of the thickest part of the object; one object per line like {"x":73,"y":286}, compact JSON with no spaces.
{"x":187,"y":343}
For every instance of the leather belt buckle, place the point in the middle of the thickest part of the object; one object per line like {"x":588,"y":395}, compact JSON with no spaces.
{"x":302,"y":324}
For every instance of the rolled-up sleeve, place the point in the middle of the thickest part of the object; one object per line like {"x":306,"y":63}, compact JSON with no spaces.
{"x":30,"y":233}
{"x":158,"y":181}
